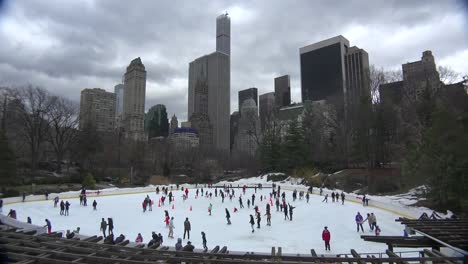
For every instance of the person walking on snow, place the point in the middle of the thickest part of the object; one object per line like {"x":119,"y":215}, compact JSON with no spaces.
{"x":187,"y":228}
{"x":228,"y":216}
{"x":171,"y":228}
{"x":103,"y":227}
{"x":252,"y":223}
{"x":359,"y":221}
{"x":326,"y":238}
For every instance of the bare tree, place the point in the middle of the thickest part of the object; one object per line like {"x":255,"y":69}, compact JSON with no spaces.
{"x":63,"y":118}
{"x":36,"y":104}
{"x":448,"y":75}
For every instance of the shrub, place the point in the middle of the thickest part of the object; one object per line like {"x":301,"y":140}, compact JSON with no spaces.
{"x":89,"y":181}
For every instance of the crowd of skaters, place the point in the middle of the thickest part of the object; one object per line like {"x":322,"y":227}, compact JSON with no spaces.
{"x":207,"y":191}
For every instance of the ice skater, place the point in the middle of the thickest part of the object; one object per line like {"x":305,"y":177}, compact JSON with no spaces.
{"x":325,"y":199}
{"x":307,"y":197}
{"x":67,"y":208}
{"x":252,"y":223}
{"x":171,"y":228}
{"x":49,"y":226}
{"x":204,"y":241}
{"x":187,"y":228}
{"x":291,"y":212}
{"x":94,"y":205}
{"x":259,"y":219}
{"x":103,"y":227}
{"x":359,"y":221}
{"x":62,"y":207}
{"x":241,"y":204}
{"x":228,"y":217}
{"x":110,"y":224}
{"x":342,"y":197}
{"x":326,"y":238}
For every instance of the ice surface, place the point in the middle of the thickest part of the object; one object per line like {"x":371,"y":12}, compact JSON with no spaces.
{"x":297,"y":236}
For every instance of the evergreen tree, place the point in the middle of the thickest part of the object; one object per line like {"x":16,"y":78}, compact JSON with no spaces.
{"x":294,"y":149}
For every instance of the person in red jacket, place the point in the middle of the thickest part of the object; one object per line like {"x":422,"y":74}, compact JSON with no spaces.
{"x":326,"y":238}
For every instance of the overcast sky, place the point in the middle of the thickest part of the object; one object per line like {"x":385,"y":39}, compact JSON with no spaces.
{"x":65,"y":46}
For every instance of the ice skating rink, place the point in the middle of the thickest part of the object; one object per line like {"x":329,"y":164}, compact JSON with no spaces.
{"x":297,"y":236}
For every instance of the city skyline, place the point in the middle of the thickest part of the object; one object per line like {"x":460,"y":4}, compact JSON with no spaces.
{"x":64,"y":51}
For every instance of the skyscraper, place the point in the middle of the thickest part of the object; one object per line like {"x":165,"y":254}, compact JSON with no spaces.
{"x":331,"y":70}
{"x":134,"y":100}
{"x":119,"y":95}
{"x":282,"y":91}
{"x":223,"y":34}
{"x":97,"y":109}
{"x":357,"y":75}
{"x":209,"y":94}
{"x":251,"y":93}
{"x":323,"y":69}
{"x":209,"y":91}
{"x":267,"y":109}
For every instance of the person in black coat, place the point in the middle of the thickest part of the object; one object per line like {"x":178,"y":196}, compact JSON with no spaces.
{"x":189,"y":247}
{"x":259,"y":218}
{"x":110,"y":225}
{"x":228,"y":216}
{"x":119,"y":239}
{"x":252,"y":223}
{"x":291,"y":212}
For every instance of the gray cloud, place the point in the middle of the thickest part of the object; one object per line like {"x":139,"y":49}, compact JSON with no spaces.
{"x":66,"y":46}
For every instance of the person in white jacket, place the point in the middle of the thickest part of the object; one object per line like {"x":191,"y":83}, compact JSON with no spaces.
{"x":171,"y":228}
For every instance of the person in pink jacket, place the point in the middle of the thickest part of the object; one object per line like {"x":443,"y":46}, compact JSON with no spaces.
{"x":139,"y":238}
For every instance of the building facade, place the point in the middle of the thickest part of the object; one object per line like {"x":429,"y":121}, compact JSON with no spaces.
{"x":356,"y":75}
{"x":251,"y":93}
{"x":323,"y":69}
{"x":97,"y":109}
{"x":184,"y":139}
{"x":267,"y":109}
{"x":223,"y":34}
{"x":119,"y":95}
{"x":421,"y":75}
{"x":209,"y":94}
{"x":248,"y":129}
{"x":134,"y":100}
{"x":234,"y":123}
{"x":282,"y":91}
{"x":174,"y":124}
{"x":418,"y":77}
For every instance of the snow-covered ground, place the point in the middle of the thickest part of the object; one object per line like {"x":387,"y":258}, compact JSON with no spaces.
{"x":297,"y":236}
